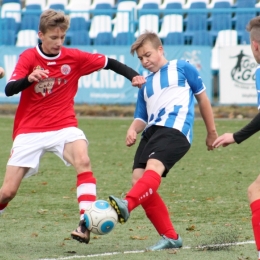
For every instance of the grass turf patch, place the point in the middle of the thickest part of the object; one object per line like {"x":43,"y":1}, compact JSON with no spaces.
{"x":205,"y":193}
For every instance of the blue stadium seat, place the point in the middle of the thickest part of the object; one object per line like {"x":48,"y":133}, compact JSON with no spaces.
{"x":173,"y":6}
{"x":245,"y":4}
{"x":149,"y":8}
{"x":219,"y":21}
{"x":30,"y":22}
{"x":103,"y":9}
{"x":80,"y":37}
{"x":174,"y":38}
{"x":124,"y":38}
{"x":103,"y":38}
{"x":10,"y":1}
{"x":202,"y":38}
{"x":76,"y":24}
{"x":8,"y":37}
{"x":195,"y":21}
{"x":59,"y":7}
{"x":241,"y":20}
{"x":9,"y":23}
{"x":33,"y":8}
{"x":244,"y":37}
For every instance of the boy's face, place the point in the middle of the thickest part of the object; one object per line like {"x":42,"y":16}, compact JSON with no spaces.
{"x":151,"y":58}
{"x":52,"y":40}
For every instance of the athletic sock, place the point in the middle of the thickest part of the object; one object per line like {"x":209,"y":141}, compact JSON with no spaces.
{"x":255,"y":208}
{"x":159,"y":216}
{"x":86,"y":191}
{"x":2,"y":207}
{"x":143,"y":189}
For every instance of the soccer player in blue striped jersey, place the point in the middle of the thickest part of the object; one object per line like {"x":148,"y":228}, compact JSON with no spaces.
{"x":165,"y":115}
{"x":251,"y":128}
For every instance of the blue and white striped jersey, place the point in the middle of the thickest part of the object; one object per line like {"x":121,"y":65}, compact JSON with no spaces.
{"x":167,"y":97}
{"x":257,"y":83}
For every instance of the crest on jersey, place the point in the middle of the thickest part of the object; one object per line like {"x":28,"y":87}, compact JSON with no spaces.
{"x":65,"y":69}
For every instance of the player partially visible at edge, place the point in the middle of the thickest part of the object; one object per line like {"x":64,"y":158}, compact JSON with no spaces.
{"x":238,"y":137}
{"x":47,"y":77}
{"x":165,"y":116}
{"x":2,"y":72}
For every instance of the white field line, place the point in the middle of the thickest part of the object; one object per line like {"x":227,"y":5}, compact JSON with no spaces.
{"x":142,"y":251}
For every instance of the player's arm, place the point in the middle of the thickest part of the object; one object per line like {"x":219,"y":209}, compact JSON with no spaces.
{"x":248,"y":130}
{"x":140,"y":121}
{"x":135,"y":128}
{"x":14,"y":87}
{"x":208,"y":117}
{"x":121,"y":69}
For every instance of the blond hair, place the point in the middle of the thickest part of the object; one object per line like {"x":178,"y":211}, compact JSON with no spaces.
{"x":50,"y":19}
{"x":145,"y":37}
{"x":254,"y":28}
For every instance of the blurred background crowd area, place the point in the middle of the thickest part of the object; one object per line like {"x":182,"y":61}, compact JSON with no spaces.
{"x":119,"y":22}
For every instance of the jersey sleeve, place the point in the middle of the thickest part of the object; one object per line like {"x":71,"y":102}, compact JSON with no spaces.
{"x":140,"y":110}
{"x":257,"y":82}
{"x":193,"y":78}
{"x":23,"y":67}
{"x":91,"y":62}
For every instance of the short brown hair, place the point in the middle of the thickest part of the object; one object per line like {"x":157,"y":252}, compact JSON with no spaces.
{"x":52,"y":18}
{"x":254,"y":28}
{"x":144,"y":38}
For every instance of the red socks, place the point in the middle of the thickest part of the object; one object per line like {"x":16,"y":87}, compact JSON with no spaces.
{"x":255,"y":208}
{"x":144,"y":188}
{"x":2,"y":207}
{"x":86,"y":190}
{"x":158,"y":214}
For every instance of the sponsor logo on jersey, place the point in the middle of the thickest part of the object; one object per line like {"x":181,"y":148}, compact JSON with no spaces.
{"x":51,"y":63}
{"x":65,"y":69}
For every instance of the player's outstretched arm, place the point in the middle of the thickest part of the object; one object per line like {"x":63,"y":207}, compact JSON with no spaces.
{"x":208,"y":117}
{"x":241,"y":135}
{"x":121,"y":69}
{"x":14,"y":87}
{"x":224,"y":140}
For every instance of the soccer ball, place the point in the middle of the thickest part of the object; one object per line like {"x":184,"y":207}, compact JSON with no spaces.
{"x":100,"y":217}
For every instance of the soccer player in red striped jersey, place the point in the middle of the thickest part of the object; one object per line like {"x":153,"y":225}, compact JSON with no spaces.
{"x":47,"y":78}
{"x":251,"y":128}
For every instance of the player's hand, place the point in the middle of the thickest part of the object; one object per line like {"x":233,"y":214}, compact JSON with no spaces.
{"x":211,"y":137}
{"x":138,"y":81}
{"x":224,"y":140}
{"x":38,"y":75}
{"x":2,"y":72}
{"x":130,"y":137}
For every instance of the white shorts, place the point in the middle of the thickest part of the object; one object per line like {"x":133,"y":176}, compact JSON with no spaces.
{"x":28,"y":149}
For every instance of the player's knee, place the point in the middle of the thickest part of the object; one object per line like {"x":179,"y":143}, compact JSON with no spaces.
{"x":253,"y":189}
{"x":7,"y":195}
{"x":82,"y":162}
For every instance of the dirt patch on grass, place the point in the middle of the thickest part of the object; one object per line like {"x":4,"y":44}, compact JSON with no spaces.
{"x":128,"y":111}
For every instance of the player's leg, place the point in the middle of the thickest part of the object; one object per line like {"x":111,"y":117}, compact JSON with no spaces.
{"x":11,"y":183}
{"x":156,"y":211}
{"x":76,"y":153}
{"x":148,"y":182}
{"x":23,"y":161}
{"x":254,"y":200}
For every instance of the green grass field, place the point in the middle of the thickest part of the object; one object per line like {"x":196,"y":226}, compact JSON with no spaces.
{"x":206,"y":193}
